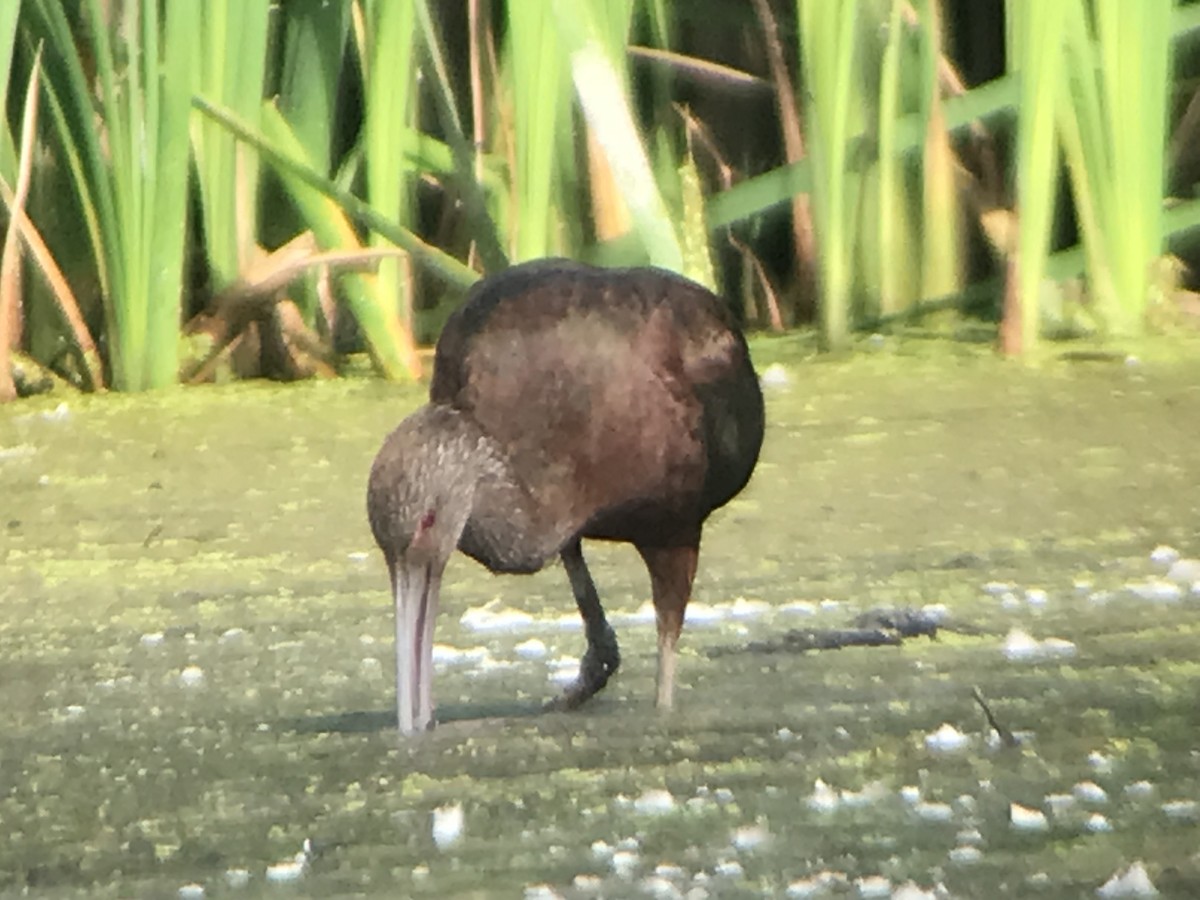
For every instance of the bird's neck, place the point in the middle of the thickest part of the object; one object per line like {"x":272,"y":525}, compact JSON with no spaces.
{"x":507,"y":530}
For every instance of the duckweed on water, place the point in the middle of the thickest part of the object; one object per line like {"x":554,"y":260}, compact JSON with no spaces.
{"x":195,"y":652}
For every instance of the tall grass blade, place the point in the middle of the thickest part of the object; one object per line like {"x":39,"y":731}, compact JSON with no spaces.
{"x":941,"y":256}
{"x":10,"y":252}
{"x":606,"y":108}
{"x":1039,"y":37}
{"x":132,"y":187}
{"x":9,"y":13}
{"x":167,"y":103}
{"x":1117,"y":72}
{"x":1134,"y":43}
{"x":483,"y":227}
{"x":389,"y":339}
{"x":992,"y":102}
{"x":60,"y":287}
{"x":314,"y":34}
{"x":827,"y":34}
{"x":229,"y":69}
{"x":534,"y":65}
{"x":610,"y":215}
{"x":890,"y":261}
{"x":391,"y":48}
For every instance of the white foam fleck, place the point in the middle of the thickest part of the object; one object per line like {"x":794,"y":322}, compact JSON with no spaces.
{"x":1139,"y":789}
{"x":1021,"y":646}
{"x":660,"y":888}
{"x":970,"y":836}
{"x":494,"y":617}
{"x":966,"y":855}
{"x":20,"y":451}
{"x":541,"y":892}
{"x":643,"y":615}
{"x":1060,"y":804}
{"x":1100,"y":763}
{"x":1182,"y":810}
{"x":152,"y":639}
{"x":729,"y":868}
{"x":1058,"y":648}
{"x":775,"y":376}
{"x":910,"y":890}
{"x":823,"y":798}
{"x":1097,"y":824}
{"x":654,"y":802}
{"x":742,"y":608}
{"x":530,"y":649}
{"x":624,"y":862}
{"x":1036,"y":597}
{"x":823,"y":883}
{"x":1184,"y":571}
{"x":60,"y":413}
{"x":800,"y":607}
{"x":934,"y":812}
{"x":1155,"y":590}
{"x":749,"y":837}
{"x":1022,"y":818}
{"x":871,"y":793}
{"x":444,"y":654}
{"x":283,"y":872}
{"x":237,"y":878}
{"x":448,"y":822}
{"x":704,"y":614}
{"x":1132,"y":882}
{"x":1090,"y":792}
{"x":191,"y":676}
{"x":873,"y":886}
{"x":564,"y":670}
{"x":935,"y":612}
{"x":1164,"y":555}
{"x":946,"y":739}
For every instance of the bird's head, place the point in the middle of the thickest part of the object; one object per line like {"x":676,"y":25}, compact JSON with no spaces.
{"x":419,"y":498}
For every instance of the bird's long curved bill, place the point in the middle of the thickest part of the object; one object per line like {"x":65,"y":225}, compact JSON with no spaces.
{"x":415,"y":590}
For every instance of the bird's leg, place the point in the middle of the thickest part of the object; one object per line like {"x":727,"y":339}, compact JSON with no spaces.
{"x":672,"y":570}
{"x":602,"y":658}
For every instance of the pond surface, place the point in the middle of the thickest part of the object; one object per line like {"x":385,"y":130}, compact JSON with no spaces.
{"x":196,"y":675}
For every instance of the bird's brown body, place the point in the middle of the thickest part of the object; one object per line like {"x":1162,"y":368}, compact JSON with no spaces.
{"x":567,"y":402}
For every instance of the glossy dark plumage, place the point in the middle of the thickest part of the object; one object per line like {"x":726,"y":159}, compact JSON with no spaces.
{"x":567,"y":402}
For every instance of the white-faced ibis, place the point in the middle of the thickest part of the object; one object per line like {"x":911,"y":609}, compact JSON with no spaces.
{"x":567,"y":402}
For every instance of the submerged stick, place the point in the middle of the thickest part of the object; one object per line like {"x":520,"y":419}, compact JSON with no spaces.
{"x":1006,"y":737}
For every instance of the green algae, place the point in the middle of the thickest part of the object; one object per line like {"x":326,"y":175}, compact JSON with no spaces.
{"x":225,"y":530}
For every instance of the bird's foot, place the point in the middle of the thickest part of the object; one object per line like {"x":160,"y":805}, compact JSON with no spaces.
{"x":598,"y":665}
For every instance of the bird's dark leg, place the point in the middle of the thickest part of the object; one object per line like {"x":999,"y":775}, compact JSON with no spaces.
{"x":672,"y":570}
{"x":602,"y":658}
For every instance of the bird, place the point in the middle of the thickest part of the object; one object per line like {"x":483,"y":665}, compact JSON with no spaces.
{"x":567,"y":402}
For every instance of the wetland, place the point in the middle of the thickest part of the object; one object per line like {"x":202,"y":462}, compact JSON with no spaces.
{"x":196,"y":659}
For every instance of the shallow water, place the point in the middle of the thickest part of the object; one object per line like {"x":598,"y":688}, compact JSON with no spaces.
{"x":195,"y":654}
